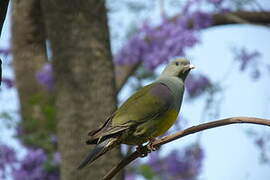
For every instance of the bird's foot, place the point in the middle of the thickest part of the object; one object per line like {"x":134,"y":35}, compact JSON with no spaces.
{"x":143,"y":151}
{"x":151,"y":146}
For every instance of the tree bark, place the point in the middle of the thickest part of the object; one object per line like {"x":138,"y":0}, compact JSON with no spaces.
{"x":84,"y":80}
{"x":28,"y":49}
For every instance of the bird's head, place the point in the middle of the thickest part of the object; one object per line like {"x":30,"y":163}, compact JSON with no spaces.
{"x":179,"y":67}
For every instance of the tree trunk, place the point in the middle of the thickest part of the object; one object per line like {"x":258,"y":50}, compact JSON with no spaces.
{"x":28,"y":46}
{"x":84,"y":80}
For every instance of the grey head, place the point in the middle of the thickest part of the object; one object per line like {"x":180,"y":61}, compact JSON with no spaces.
{"x":179,"y":67}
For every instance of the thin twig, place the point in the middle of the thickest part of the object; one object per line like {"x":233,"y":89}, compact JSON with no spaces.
{"x":121,"y":165}
{"x":237,"y":19}
{"x":180,"y":134}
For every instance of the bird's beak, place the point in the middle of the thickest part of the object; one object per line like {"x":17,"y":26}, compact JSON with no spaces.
{"x":190,"y":66}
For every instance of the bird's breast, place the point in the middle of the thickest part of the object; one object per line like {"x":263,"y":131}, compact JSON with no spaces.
{"x":166,"y":121}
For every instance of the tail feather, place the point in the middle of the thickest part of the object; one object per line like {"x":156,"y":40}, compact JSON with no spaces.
{"x":98,"y":151}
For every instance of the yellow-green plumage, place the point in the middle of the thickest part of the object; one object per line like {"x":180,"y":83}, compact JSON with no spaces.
{"x":166,"y":122}
{"x":148,"y":113}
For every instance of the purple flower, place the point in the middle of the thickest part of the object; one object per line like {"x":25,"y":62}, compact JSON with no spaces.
{"x":155,"y":162}
{"x":5,"y":52}
{"x":174,"y":164}
{"x":33,"y":159}
{"x":201,"y":20}
{"x":194,"y":155}
{"x":8,"y":82}
{"x":32,"y":166}
{"x":260,"y":142}
{"x":7,"y":158}
{"x":216,"y":2}
{"x":246,"y":57}
{"x":178,"y":164}
{"x":45,"y":77}
{"x":130,"y":176}
{"x":197,"y":84}
{"x":156,"y":45}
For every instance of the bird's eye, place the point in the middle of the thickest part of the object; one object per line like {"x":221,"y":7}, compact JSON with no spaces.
{"x":176,"y":63}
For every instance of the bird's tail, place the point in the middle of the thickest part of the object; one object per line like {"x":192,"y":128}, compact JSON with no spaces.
{"x":98,"y":151}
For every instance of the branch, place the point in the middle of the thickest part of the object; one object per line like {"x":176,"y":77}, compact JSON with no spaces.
{"x":122,"y":73}
{"x":180,"y":134}
{"x":242,"y":17}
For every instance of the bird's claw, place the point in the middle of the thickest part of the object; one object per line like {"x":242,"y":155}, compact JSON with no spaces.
{"x":143,"y":151}
{"x":149,"y":148}
{"x":151,"y":145}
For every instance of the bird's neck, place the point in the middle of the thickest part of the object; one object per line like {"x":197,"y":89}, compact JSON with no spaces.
{"x":171,"y":79}
{"x":175,"y":84}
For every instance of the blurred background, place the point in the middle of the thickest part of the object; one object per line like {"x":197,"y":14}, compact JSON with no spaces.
{"x":65,"y":70}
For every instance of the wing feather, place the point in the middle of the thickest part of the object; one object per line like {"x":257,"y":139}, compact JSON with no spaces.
{"x":148,"y":102}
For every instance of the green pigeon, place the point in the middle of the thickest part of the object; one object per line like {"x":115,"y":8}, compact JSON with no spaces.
{"x":148,"y":113}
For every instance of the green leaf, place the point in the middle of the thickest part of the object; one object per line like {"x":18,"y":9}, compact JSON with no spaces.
{"x":146,"y":171}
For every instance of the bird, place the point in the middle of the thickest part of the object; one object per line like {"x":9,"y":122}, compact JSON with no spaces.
{"x":144,"y":116}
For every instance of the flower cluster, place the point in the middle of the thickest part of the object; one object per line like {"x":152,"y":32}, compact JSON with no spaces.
{"x":8,"y":82}
{"x":5,"y":52}
{"x":7,"y":157}
{"x":197,"y":84}
{"x":178,"y":165}
{"x":35,"y":165}
{"x":157,"y":45}
{"x":216,"y":2}
{"x":261,"y":140}
{"x":248,"y":59}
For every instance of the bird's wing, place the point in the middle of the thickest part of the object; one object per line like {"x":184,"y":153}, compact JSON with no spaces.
{"x":148,"y":102}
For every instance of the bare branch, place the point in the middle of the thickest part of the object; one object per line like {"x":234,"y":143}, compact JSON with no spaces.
{"x":238,"y":17}
{"x":122,"y":73}
{"x":180,"y":134}
{"x":241,"y":17}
